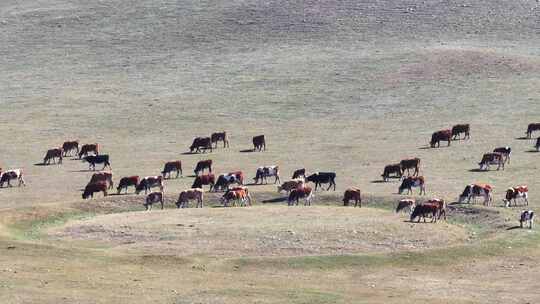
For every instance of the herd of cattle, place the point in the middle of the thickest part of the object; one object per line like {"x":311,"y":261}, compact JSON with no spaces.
{"x":235,"y":191}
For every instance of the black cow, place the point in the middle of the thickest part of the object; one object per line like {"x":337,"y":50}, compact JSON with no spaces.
{"x":202,"y":165}
{"x":437,"y":137}
{"x":319,"y":178}
{"x":259,"y":143}
{"x":220,"y":136}
{"x":97,"y":159}
{"x":531,"y":128}
{"x":458,"y":129}
{"x":392,"y":169}
{"x":201,"y":143}
{"x":505,"y":151}
{"x":299,"y":173}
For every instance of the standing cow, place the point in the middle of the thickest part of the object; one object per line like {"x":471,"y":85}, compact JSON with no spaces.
{"x":505,"y":151}
{"x":12,"y":174}
{"x":408,"y":164}
{"x":391,"y":169}
{"x":437,"y":137}
{"x":412,"y":181}
{"x":352,"y":194}
{"x":462,"y":128}
{"x":53,"y":154}
{"x":259,"y":143}
{"x":148,"y":183}
{"x":300,"y":173}
{"x":526,"y":216}
{"x":238,"y":194}
{"x":105,"y":177}
{"x":220,"y":136}
{"x":152,"y":198}
{"x":90,"y":189}
{"x":473,"y":191}
{"x":532,"y":128}
{"x":70,"y":146}
{"x":204,"y":179}
{"x":512,"y":194}
{"x":190,"y":194}
{"x":126,"y":182}
{"x":87,"y":149}
{"x":406,"y":203}
{"x":290,"y":185}
{"x":172,"y":166}
{"x":201,"y":144}
{"x":305,"y":192}
{"x":92,"y":160}
{"x":320,"y":178}
{"x":263,"y":173}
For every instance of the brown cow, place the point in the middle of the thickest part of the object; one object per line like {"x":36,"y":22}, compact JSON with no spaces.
{"x":237,"y":194}
{"x":290,"y":185}
{"x":305,"y":192}
{"x":392,"y":169}
{"x":423,"y":211}
{"x":69,"y":146}
{"x":147,"y":183}
{"x":493,"y":158}
{"x":90,"y":189}
{"x":152,"y":198}
{"x":125,"y":182}
{"x":531,"y":128}
{"x":517,"y":192}
{"x":203,"y":164}
{"x":190,"y":194}
{"x":407,"y":164}
{"x":352,"y":194}
{"x":204,"y":179}
{"x":53,"y":154}
{"x":458,"y":129}
{"x":413,"y":181}
{"x":259,"y":143}
{"x":201,"y":143}
{"x":8,"y":175}
{"x":441,"y":206}
{"x":437,"y":137}
{"x":406,"y":203}
{"x":87,"y":148}
{"x":102,"y":177}
{"x":220,"y":136}
{"x":172,"y":166}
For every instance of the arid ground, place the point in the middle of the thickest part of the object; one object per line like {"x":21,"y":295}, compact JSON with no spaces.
{"x":343,"y":86}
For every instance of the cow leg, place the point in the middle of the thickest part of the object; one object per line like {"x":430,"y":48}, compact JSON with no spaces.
{"x":161,"y":201}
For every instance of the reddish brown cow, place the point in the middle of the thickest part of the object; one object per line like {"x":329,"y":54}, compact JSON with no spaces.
{"x":517,"y":192}
{"x":406,"y":203}
{"x":413,"y":181}
{"x":354,"y":195}
{"x":494,"y":158}
{"x":152,"y":198}
{"x":172,"y":166}
{"x":204,"y":179}
{"x":90,"y":189}
{"x":69,"y":146}
{"x":190,"y":194}
{"x":53,"y":154}
{"x":102,"y":177}
{"x":238,"y":194}
{"x":88,"y":148}
{"x":437,"y":137}
{"x":305,"y":192}
{"x":259,"y":143}
{"x":126,"y":182}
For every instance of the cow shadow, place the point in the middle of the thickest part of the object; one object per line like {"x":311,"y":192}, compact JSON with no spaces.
{"x":523,"y":138}
{"x":379,"y":181}
{"x":41,"y":164}
{"x":189,"y":153}
{"x":425,"y":148}
{"x":513,"y":227}
{"x":478,"y":170}
{"x":532,"y":151}
{"x":193,"y":175}
{"x":247,"y":151}
{"x":275,"y":200}
{"x":84,"y":170}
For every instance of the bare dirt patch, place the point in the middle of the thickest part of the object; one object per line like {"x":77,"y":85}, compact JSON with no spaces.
{"x":261,"y":231}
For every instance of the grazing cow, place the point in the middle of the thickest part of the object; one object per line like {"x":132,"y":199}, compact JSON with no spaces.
{"x":517,"y":192}
{"x":204,"y":179}
{"x":201,"y":143}
{"x":237,"y":194}
{"x":125,"y":182}
{"x":203,"y":164}
{"x":102,"y":177}
{"x":7,"y":176}
{"x":152,"y":198}
{"x":92,"y":160}
{"x":391,"y":169}
{"x":220,"y":136}
{"x":90,"y":189}
{"x":458,"y":129}
{"x":190,"y":194}
{"x":477,"y":190}
{"x":290,"y":185}
{"x":493,"y":158}
{"x":87,"y":148}
{"x":352,"y":194}
{"x":148,"y":183}
{"x":425,"y":210}
{"x":225,"y":180}
{"x":172,"y":166}
{"x":413,"y":181}
{"x":407,"y":164}
{"x":526,"y":216}
{"x":505,"y":151}
{"x":437,"y":137}
{"x":319,"y":178}
{"x":53,"y":154}
{"x":531,"y":128}
{"x":264,"y":172}
{"x":299,"y":173}
{"x":441,"y":206}
{"x":69,"y":146}
{"x":537,"y":145}
{"x":298,"y":193}
{"x":259,"y":143}
{"x":406,"y":203}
